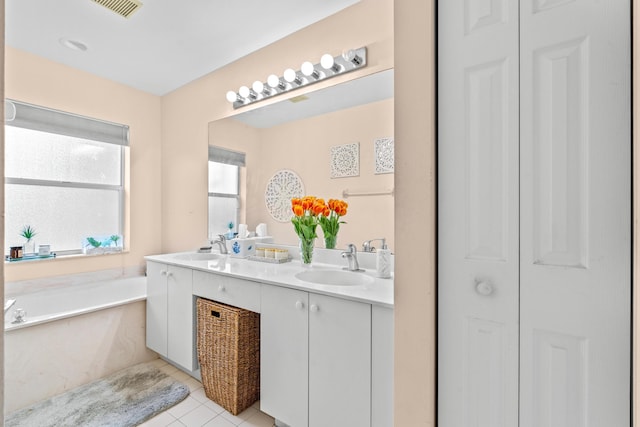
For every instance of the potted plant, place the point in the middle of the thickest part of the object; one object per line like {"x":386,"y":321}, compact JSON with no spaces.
{"x":114,"y":239}
{"x":93,"y":245}
{"x":29,"y":247}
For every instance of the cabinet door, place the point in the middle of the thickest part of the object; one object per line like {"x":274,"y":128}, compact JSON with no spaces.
{"x":180,"y":330}
{"x":157,"y":307}
{"x":339,"y":362}
{"x":284,"y":355}
{"x":381,"y":366}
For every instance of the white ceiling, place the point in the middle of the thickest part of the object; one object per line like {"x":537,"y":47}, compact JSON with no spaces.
{"x":166,"y":43}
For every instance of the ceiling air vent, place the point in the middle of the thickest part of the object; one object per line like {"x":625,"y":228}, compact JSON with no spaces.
{"x":124,"y":8}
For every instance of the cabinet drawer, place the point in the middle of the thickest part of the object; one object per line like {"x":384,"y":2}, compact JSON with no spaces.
{"x":227,"y":290}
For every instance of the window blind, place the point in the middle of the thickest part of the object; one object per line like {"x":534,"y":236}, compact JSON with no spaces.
{"x":54,"y":121}
{"x":223,"y":155}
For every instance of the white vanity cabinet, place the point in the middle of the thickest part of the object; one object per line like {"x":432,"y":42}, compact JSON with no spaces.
{"x":170,"y":313}
{"x":315,"y":359}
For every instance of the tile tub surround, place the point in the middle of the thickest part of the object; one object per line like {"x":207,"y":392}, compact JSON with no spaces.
{"x":54,"y":282}
{"x":49,"y":358}
{"x":379,"y":292}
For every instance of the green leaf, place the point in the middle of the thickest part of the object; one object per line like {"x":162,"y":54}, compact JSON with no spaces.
{"x":28,"y":232}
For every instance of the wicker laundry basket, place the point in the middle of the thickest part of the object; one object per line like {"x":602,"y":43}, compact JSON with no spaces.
{"x":229,"y":354}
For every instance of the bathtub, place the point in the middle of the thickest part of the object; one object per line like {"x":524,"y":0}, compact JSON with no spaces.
{"x":72,"y":334}
{"x":61,"y":302}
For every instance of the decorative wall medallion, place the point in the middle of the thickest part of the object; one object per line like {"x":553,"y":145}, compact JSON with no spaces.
{"x":281,"y":188}
{"x":345,"y":160}
{"x":383,"y":152}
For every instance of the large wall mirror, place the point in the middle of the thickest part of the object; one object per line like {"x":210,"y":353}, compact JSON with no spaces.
{"x":336,"y":142}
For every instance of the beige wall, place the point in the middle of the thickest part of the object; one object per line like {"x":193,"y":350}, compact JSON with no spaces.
{"x":188,"y":110}
{"x":415,"y":284}
{"x":304,"y":147}
{"x":38,"y":81}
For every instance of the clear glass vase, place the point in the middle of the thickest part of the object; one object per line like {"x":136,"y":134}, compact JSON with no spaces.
{"x":330,"y":241}
{"x":29,"y":247}
{"x":306,"y":251}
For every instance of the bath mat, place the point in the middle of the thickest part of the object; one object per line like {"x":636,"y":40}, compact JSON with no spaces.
{"x":126,"y":398}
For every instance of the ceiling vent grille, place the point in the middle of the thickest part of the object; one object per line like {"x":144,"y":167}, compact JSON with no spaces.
{"x":122,"y":7}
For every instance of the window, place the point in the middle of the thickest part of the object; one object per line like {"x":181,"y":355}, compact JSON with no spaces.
{"x":224,"y":189}
{"x":64,"y":176}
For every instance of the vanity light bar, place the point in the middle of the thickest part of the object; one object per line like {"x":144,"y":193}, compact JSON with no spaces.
{"x":328,"y":67}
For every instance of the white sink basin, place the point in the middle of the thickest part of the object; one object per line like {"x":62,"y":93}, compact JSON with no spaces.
{"x":334,"y":277}
{"x":198,"y":256}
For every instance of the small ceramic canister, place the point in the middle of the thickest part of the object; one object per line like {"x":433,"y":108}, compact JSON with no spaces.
{"x":281,"y":253}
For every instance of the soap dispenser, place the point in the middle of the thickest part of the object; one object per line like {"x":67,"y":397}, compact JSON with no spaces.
{"x":383,"y":261}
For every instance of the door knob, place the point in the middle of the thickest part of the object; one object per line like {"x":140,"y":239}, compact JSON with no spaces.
{"x":221,"y":288}
{"x":314,"y":308}
{"x":299,"y":305}
{"x":484,"y":288}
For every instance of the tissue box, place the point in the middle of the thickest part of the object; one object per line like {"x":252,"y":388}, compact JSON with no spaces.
{"x":242,"y":248}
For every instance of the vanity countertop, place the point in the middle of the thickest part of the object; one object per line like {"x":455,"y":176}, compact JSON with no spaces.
{"x":377,"y":291}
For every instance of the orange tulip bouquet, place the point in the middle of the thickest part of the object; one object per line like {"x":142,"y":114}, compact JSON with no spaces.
{"x":330,"y":222}
{"x":305,"y":221}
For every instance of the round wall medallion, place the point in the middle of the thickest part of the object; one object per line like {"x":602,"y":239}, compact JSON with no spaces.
{"x":281,"y":188}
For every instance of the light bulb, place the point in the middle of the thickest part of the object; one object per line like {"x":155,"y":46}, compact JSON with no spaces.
{"x":309,"y":70}
{"x":258,"y":86}
{"x":350,"y":56}
{"x":244,"y":91}
{"x":326,"y":61}
{"x":273,"y":81}
{"x":232,"y":96}
{"x":289,"y":75}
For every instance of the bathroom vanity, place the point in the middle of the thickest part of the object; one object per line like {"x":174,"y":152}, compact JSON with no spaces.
{"x":326,"y":350}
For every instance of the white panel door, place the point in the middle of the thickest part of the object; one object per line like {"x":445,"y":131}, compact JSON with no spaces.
{"x":478,"y":213}
{"x":575,"y":213}
{"x":534,"y":213}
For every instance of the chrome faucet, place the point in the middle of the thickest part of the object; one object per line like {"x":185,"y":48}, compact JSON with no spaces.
{"x":352,"y":258}
{"x":8,"y":304}
{"x":221,"y":242}
{"x":366,"y":246}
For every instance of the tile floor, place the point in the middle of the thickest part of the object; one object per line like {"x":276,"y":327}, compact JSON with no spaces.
{"x":198,"y":411}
